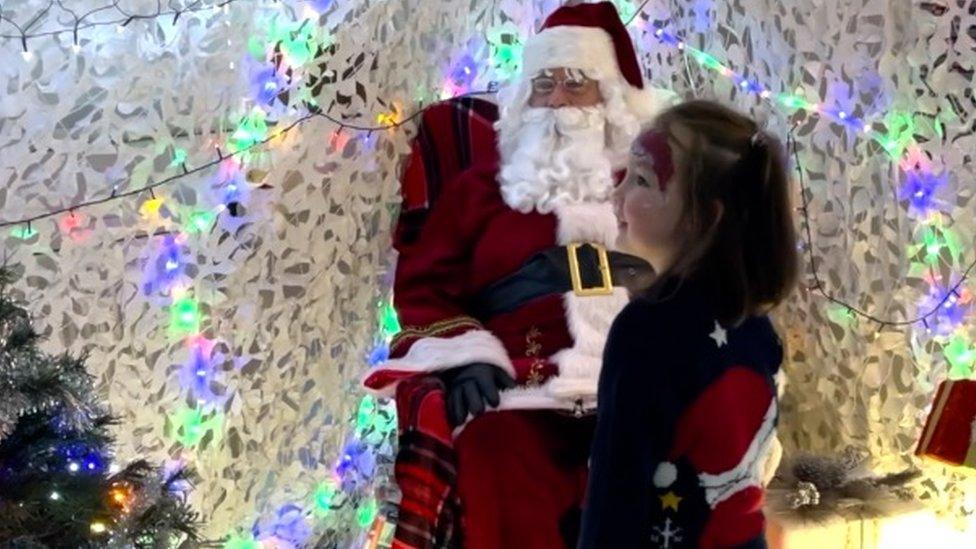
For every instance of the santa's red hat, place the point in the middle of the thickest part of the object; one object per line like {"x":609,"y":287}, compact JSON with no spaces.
{"x":591,"y":38}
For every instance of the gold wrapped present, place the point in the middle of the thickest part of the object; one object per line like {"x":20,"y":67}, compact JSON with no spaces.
{"x":886,"y":525}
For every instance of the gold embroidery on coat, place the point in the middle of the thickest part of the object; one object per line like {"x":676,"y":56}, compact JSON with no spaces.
{"x":532,"y":350}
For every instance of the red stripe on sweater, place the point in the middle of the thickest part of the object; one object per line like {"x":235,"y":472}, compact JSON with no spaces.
{"x":716,"y":430}
{"x":714,"y":434}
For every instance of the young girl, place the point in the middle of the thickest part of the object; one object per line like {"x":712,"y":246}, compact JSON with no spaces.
{"x":687,"y":402}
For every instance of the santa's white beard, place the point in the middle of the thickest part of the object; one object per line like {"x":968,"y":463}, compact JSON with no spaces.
{"x":557,"y":156}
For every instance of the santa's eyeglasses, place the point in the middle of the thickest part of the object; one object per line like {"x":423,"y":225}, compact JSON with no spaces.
{"x":575,"y":82}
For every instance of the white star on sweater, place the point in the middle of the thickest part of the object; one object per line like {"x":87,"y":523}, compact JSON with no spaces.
{"x":719,"y":335}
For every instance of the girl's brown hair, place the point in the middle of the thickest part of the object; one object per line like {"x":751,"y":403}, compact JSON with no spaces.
{"x":745,"y":251}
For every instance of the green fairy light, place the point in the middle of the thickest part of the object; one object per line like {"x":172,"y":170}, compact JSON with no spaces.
{"x":300,"y":46}
{"x":934,"y":240}
{"x":794,"y":102}
{"x":961,"y":356}
{"x":24,"y":232}
{"x":323,"y":497}
{"x":901,"y":125}
{"x":891,"y":146}
{"x":250,"y":130}
{"x":625,"y":8}
{"x":840,"y":315}
{"x":506,"y":55}
{"x":366,"y":513}
{"x":385,"y":418}
{"x":242,"y":542}
{"x":191,"y":425}
{"x":256,"y":47}
{"x":179,"y":157}
{"x":297,"y":40}
{"x":506,"y":49}
{"x":901,"y":131}
{"x":200,"y":222}
{"x":932,"y":245}
{"x":367,"y":410}
{"x":389,"y":323}
{"x":185,"y":316}
{"x":705,"y":59}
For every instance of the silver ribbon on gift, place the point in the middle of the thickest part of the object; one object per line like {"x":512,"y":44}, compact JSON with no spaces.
{"x":804,"y":495}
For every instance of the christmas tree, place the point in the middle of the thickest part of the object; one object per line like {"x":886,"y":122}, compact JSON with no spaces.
{"x":58,"y":487}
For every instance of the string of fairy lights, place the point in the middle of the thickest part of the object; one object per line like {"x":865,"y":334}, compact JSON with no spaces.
{"x":893,"y":134}
{"x":947,"y":305}
{"x":117,"y":16}
{"x":892,"y":143}
{"x":222,"y":156}
{"x":945,"y":308}
{"x":285,"y":49}
{"x":820,"y":287}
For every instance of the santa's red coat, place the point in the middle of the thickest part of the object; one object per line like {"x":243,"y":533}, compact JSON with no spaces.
{"x":552,"y":345}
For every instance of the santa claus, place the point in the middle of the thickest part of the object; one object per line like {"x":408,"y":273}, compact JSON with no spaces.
{"x":509,"y":292}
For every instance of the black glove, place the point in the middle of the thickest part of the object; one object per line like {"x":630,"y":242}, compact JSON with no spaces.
{"x":472,"y":386}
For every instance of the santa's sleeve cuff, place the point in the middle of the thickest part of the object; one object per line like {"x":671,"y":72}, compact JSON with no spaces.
{"x":434,"y":354}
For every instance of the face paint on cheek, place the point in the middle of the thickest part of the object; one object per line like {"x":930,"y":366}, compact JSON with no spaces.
{"x":653,"y":145}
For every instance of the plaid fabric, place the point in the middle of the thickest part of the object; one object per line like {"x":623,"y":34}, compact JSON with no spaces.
{"x":452,"y":136}
{"x":425,"y":468}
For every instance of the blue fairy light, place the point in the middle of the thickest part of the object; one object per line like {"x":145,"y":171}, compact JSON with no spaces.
{"x":464,"y":71}
{"x":320,"y":6}
{"x":379,"y":354}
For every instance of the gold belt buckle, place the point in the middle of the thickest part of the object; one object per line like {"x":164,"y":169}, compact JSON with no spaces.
{"x":606,"y":288}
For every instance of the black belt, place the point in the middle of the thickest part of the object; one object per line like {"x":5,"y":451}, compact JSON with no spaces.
{"x":585,"y":269}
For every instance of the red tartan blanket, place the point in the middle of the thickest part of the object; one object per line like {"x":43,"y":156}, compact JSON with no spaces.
{"x":425,"y":468}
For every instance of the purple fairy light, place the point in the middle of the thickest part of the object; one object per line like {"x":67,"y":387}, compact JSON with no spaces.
{"x":266,"y":84}
{"x":286,"y":528}
{"x":919,"y":190}
{"x":167,"y":267}
{"x":950,"y":310}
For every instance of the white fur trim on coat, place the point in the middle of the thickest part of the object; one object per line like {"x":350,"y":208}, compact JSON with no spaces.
{"x":533,"y":398}
{"x":779,"y":379}
{"x":587,"y":222}
{"x":771,"y":461}
{"x":591,"y":51}
{"x":588,"y":49}
{"x":434,"y":354}
{"x":540,"y":398}
{"x":588,"y":318}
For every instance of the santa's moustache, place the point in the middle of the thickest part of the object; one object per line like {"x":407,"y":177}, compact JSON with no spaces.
{"x":556,"y":156}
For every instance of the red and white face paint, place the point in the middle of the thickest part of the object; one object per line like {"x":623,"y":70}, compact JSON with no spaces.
{"x":649,"y":203}
{"x":652,"y":147}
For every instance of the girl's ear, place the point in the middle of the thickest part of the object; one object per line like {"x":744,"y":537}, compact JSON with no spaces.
{"x":718,"y":210}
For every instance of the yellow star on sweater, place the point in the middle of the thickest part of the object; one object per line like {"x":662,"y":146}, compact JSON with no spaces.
{"x":670,"y":500}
